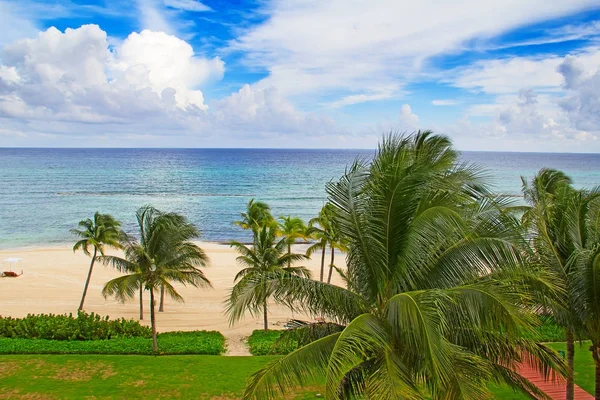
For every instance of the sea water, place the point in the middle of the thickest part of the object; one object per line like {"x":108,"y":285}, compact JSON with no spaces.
{"x":45,"y":192}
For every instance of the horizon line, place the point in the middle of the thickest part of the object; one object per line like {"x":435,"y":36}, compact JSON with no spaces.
{"x":271,"y":148}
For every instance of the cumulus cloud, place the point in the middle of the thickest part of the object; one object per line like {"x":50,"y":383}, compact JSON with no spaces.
{"x":407,"y":118}
{"x":149,"y":84}
{"x":253,"y":109}
{"x":74,"y":76}
{"x":582,"y":101}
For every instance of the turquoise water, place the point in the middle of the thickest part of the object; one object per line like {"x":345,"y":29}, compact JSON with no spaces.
{"x":45,"y":192}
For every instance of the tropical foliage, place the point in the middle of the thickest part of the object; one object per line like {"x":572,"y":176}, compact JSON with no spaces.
{"x":67,"y":327}
{"x":266,"y":258}
{"x":564,"y":222}
{"x":437,"y":294}
{"x":257,"y":215}
{"x":164,"y":254}
{"x":98,"y":233}
{"x":292,"y":229}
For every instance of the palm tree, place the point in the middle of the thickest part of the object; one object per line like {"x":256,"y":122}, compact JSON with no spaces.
{"x":584,"y":268}
{"x":103,"y":230}
{"x":320,"y":228}
{"x":549,"y":217}
{"x":257,"y":215}
{"x":266,"y":258}
{"x":292,"y":229}
{"x":437,"y":294}
{"x":163,"y":254}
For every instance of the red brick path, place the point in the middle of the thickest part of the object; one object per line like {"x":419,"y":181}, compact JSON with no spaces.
{"x":555,"y":388}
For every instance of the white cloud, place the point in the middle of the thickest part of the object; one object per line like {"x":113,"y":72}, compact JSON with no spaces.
{"x":186,"y":5}
{"x":444,"y":102}
{"x":361,"y":98}
{"x":582,"y":101}
{"x":317,"y":46}
{"x":407,"y":118}
{"x":73,"y":84}
{"x":264,"y":110}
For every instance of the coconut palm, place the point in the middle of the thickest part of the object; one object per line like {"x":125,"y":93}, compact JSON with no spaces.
{"x":584,"y":268}
{"x":163,"y":254}
{"x":266,"y":258}
{"x":437,"y":295}
{"x":319,"y":228}
{"x":100,"y":232}
{"x":292,"y":229}
{"x":552,"y":202}
{"x":257,"y":215}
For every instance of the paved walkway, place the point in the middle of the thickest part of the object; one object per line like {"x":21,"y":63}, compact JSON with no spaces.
{"x":555,"y":388}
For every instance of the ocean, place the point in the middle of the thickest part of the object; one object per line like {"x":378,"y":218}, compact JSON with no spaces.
{"x":45,"y":192}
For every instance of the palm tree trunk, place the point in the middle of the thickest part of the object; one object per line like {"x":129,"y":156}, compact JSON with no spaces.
{"x":265,"y":317}
{"x":331,"y":265}
{"x":153,"y":321}
{"x":323,"y":262}
{"x":141,"y":301}
{"x":161,"y":307}
{"x":289,"y":253}
{"x":570,"y":364}
{"x":87,"y":282}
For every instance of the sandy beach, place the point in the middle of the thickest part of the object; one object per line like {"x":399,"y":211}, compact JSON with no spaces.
{"x":53,"y":279}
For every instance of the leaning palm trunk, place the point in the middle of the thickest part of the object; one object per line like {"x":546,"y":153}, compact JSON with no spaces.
{"x":323,"y":262}
{"x":153,"y":321}
{"x":289,"y":252}
{"x":87,"y":282}
{"x":141,"y":301}
{"x":570,"y":364}
{"x":161,"y":306}
{"x":331,"y":265}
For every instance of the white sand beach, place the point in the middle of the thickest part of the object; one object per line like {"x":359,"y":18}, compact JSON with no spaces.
{"x":53,"y":280}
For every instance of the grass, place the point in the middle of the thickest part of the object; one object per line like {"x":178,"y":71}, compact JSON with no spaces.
{"x":198,"y":342}
{"x":584,"y":364}
{"x":198,"y":377}
{"x":118,"y":377}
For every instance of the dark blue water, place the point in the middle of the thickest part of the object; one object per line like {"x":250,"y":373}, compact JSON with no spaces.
{"x":45,"y":192}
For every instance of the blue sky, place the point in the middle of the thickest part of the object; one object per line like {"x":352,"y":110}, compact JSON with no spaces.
{"x":510,"y":76}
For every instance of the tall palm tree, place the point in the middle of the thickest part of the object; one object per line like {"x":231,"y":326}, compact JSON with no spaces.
{"x":257,"y":215}
{"x":266,"y":258}
{"x":102,"y":231}
{"x":437,"y":295}
{"x":551,"y":200}
{"x":292,"y":229}
{"x":584,"y":268}
{"x":319,"y":228}
{"x":163,"y":254}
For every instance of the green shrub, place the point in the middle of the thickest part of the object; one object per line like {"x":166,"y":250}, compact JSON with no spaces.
{"x":66,"y":327}
{"x":198,"y":342}
{"x":267,"y":343}
{"x":547,"y":331}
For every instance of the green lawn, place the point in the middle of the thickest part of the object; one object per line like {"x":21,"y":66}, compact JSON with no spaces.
{"x":185,"y":377}
{"x":584,"y":365}
{"x":121,"y":377}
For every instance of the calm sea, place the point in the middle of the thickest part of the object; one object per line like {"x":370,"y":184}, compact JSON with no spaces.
{"x":45,"y":192}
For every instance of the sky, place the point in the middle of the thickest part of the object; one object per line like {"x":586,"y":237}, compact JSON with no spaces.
{"x":511,"y":75}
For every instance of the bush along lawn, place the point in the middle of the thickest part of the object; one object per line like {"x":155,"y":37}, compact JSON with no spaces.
{"x":263,"y":343}
{"x":197,"y":342}
{"x":67,"y":327}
